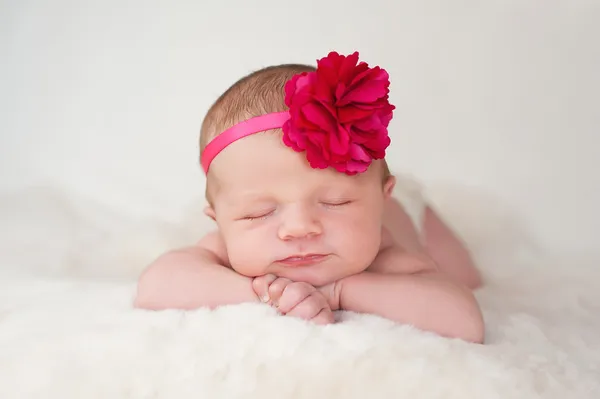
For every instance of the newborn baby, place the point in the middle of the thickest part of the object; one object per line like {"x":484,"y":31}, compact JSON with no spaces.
{"x":307,"y":219}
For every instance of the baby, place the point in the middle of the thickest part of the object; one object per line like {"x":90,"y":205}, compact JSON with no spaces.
{"x":299,"y":188}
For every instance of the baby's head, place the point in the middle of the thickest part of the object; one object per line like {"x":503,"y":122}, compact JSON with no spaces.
{"x":289,"y":198}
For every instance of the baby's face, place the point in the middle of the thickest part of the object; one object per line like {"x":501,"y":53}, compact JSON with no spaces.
{"x":278,"y":215}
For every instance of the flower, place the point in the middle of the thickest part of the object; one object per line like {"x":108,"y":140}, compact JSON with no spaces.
{"x":339,"y":114}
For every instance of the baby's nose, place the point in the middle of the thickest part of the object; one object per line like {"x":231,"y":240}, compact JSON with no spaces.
{"x":300,"y":223}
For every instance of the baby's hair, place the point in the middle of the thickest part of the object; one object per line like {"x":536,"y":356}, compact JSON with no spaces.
{"x":258,"y":93}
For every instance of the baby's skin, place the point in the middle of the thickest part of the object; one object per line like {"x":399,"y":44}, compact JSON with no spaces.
{"x":312,"y":241}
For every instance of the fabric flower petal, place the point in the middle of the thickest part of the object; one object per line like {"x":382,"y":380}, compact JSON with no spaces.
{"x":339,"y":114}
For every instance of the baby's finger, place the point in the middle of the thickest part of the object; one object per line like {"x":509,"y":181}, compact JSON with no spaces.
{"x":261,"y":284}
{"x":276,"y":289}
{"x":293,"y":295}
{"x":309,"y":308}
{"x":325,"y":316}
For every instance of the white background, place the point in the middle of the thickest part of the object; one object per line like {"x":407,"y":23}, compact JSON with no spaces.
{"x":107,"y":97}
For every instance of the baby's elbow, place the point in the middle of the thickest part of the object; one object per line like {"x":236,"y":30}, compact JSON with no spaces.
{"x":150,"y":285}
{"x":473,"y":279}
{"x":469,"y":328}
{"x":141,"y":301}
{"x":474,"y":330}
{"x":472,"y":326}
{"x":464,"y":318}
{"x":145,"y":296}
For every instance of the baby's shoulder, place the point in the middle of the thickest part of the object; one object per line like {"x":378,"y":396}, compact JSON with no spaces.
{"x":214,"y":243}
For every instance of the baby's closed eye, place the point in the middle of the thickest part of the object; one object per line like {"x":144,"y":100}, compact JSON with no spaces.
{"x":336,"y":203}
{"x":257,"y":215}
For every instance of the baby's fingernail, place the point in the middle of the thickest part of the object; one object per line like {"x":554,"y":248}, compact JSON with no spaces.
{"x":265,"y":298}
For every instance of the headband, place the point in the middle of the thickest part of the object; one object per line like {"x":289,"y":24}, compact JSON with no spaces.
{"x":338,"y":115}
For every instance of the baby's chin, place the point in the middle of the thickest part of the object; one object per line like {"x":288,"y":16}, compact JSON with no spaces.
{"x":315,"y":276}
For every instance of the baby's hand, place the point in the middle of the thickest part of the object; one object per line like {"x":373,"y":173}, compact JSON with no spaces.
{"x":293,"y":298}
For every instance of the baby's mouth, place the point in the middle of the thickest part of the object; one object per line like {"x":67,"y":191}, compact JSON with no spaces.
{"x":303,"y":260}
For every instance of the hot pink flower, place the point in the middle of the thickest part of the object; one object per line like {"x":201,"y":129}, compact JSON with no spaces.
{"x":339,"y":114}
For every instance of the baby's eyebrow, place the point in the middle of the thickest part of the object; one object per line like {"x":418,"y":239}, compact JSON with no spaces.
{"x":243,"y":198}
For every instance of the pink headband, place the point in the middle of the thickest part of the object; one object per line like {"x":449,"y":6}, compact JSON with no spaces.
{"x":338,"y":115}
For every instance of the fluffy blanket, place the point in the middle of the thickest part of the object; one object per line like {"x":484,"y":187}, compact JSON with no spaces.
{"x":68,"y":330}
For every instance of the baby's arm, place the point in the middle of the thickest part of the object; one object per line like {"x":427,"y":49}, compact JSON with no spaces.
{"x":427,"y":301}
{"x":408,"y":288}
{"x":192,"y":277}
{"x":449,"y":252}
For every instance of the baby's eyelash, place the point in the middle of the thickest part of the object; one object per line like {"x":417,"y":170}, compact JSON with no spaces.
{"x":252,"y":218}
{"x":337,"y":203}
{"x":259,"y":217}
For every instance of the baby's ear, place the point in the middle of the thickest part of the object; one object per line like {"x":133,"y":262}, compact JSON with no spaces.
{"x":388,"y":186}
{"x":210,"y":212}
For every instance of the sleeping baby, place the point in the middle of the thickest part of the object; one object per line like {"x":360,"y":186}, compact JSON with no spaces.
{"x":308,"y":215}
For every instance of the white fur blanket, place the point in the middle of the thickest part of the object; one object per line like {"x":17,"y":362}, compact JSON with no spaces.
{"x":67,"y":328}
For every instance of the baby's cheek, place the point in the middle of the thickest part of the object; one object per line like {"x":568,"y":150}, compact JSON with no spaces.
{"x":363,"y":245}
{"x":245,"y":258}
